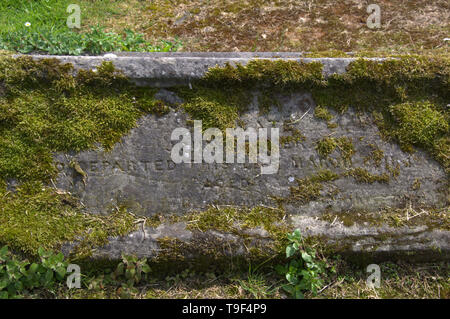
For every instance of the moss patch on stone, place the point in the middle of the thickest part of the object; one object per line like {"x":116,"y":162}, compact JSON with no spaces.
{"x":225,"y":92}
{"x":394,"y":217}
{"x":376,"y":155}
{"x":243,"y":224}
{"x":328,"y":145}
{"x":265,"y":73}
{"x":214,"y":107}
{"x":45,"y":108}
{"x":322,"y":113}
{"x":294,"y":135}
{"x":361,"y":175}
{"x":38,"y":216}
{"x":394,"y":91}
{"x":305,"y":191}
{"x":309,"y":188}
{"x":420,"y":124}
{"x":324,"y":175}
{"x":266,"y":101}
{"x":236,"y":219}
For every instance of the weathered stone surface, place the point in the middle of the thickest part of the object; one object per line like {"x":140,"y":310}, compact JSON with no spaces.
{"x":160,"y":69}
{"x":416,"y":243}
{"x":140,"y":174}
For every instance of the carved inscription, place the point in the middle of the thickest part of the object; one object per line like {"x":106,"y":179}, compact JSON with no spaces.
{"x":139,"y":172}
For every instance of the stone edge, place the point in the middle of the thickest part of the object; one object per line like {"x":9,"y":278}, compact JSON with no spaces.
{"x":162,"y":69}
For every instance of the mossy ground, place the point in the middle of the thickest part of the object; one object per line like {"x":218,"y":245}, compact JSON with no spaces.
{"x":325,"y":26}
{"x":320,"y":27}
{"x":398,"y":280}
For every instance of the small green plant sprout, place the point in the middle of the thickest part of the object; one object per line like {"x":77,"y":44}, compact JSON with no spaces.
{"x":133,"y":269}
{"x":20,"y":276}
{"x":303,"y":270}
{"x":53,"y":264}
{"x":94,"y":41}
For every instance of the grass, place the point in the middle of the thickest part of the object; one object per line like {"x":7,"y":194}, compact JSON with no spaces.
{"x":323,"y":27}
{"x":398,"y":280}
{"x":40,"y":26}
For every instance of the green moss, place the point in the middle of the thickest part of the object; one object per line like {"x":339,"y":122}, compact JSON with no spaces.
{"x":309,"y":188}
{"x":327,"y":54}
{"x":441,"y":151}
{"x":215,"y":107}
{"x":211,"y":250}
{"x":346,"y":147}
{"x":376,"y":155}
{"x":37,"y":216}
{"x":416,"y":184}
{"x":395,"y":171}
{"x":420,"y":124}
{"x":148,"y":104}
{"x":361,"y":175}
{"x":327,"y":145}
{"x":324,"y":175}
{"x":406,"y":72}
{"x":404,"y":94}
{"x":322,"y":113}
{"x":46,"y":109}
{"x":294,"y":134}
{"x":224,"y":92}
{"x":212,"y":253}
{"x":235,"y":219}
{"x":153,"y":221}
{"x":305,"y":191}
{"x":266,"y":101}
{"x":392,"y":90}
{"x":265,"y":73}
